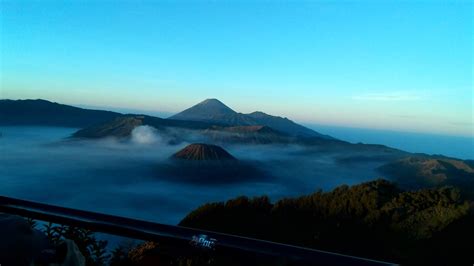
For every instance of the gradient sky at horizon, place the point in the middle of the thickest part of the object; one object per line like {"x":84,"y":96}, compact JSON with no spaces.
{"x":396,"y":65}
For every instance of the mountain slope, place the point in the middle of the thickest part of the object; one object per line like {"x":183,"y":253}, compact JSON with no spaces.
{"x":426,"y":171}
{"x":247,"y":134}
{"x":122,"y":126}
{"x":214,"y":111}
{"x":118,"y":127}
{"x":46,"y":113}
{"x":284,"y":125}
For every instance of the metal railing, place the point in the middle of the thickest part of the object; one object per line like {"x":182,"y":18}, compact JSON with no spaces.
{"x":183,"y":237}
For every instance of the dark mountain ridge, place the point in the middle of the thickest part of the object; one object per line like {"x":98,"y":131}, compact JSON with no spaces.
{"x":247,"y":134}
{"x":40,"y":112}
{"x":123,"y":126}
{"x":46,"y":113}
{"x":178,"y":131}
{"x":214,"y":111}
{"x":210,"y":114}
{"x":99,"y":124}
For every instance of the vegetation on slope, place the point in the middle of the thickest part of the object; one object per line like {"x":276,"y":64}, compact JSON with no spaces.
{"x":374,"y":220}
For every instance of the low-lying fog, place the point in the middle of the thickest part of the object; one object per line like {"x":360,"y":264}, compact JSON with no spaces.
{"x":123,"y":177}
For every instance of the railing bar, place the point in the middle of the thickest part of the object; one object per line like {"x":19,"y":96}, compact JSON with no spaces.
{"x":145,"y":230}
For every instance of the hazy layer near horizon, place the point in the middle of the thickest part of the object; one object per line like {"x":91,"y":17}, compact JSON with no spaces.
{"x":454,"y":146}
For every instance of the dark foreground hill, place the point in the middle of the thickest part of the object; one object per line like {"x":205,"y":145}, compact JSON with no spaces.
{"x":374,"y":220}
{"x":45,"y":113}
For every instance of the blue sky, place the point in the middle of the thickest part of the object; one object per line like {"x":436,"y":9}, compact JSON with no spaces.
{"x":398,"y":65}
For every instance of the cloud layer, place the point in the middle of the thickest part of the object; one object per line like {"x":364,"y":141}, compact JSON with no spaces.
{"x":144,"y":135}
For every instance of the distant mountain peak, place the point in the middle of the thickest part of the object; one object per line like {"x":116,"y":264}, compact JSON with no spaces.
{"x":208,"y":109}
{"x":211,"y":101}
{"x":214,"y":111}
{"x":257,"y":113}
{"x":260,"y":114}
{"x":214,"y":104}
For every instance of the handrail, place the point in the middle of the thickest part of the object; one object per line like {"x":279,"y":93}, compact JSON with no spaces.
{"x":184,"y":237}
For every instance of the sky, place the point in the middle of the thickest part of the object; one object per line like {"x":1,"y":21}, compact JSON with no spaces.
{"x":396,"y":65}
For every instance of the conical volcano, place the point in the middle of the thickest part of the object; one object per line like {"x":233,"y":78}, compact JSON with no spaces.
{"x":209,"y":164}
{"x":207,"y":110}
{"x":203,"y":152}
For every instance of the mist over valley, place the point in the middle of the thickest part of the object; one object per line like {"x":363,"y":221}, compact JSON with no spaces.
{"x":133,"y":177}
